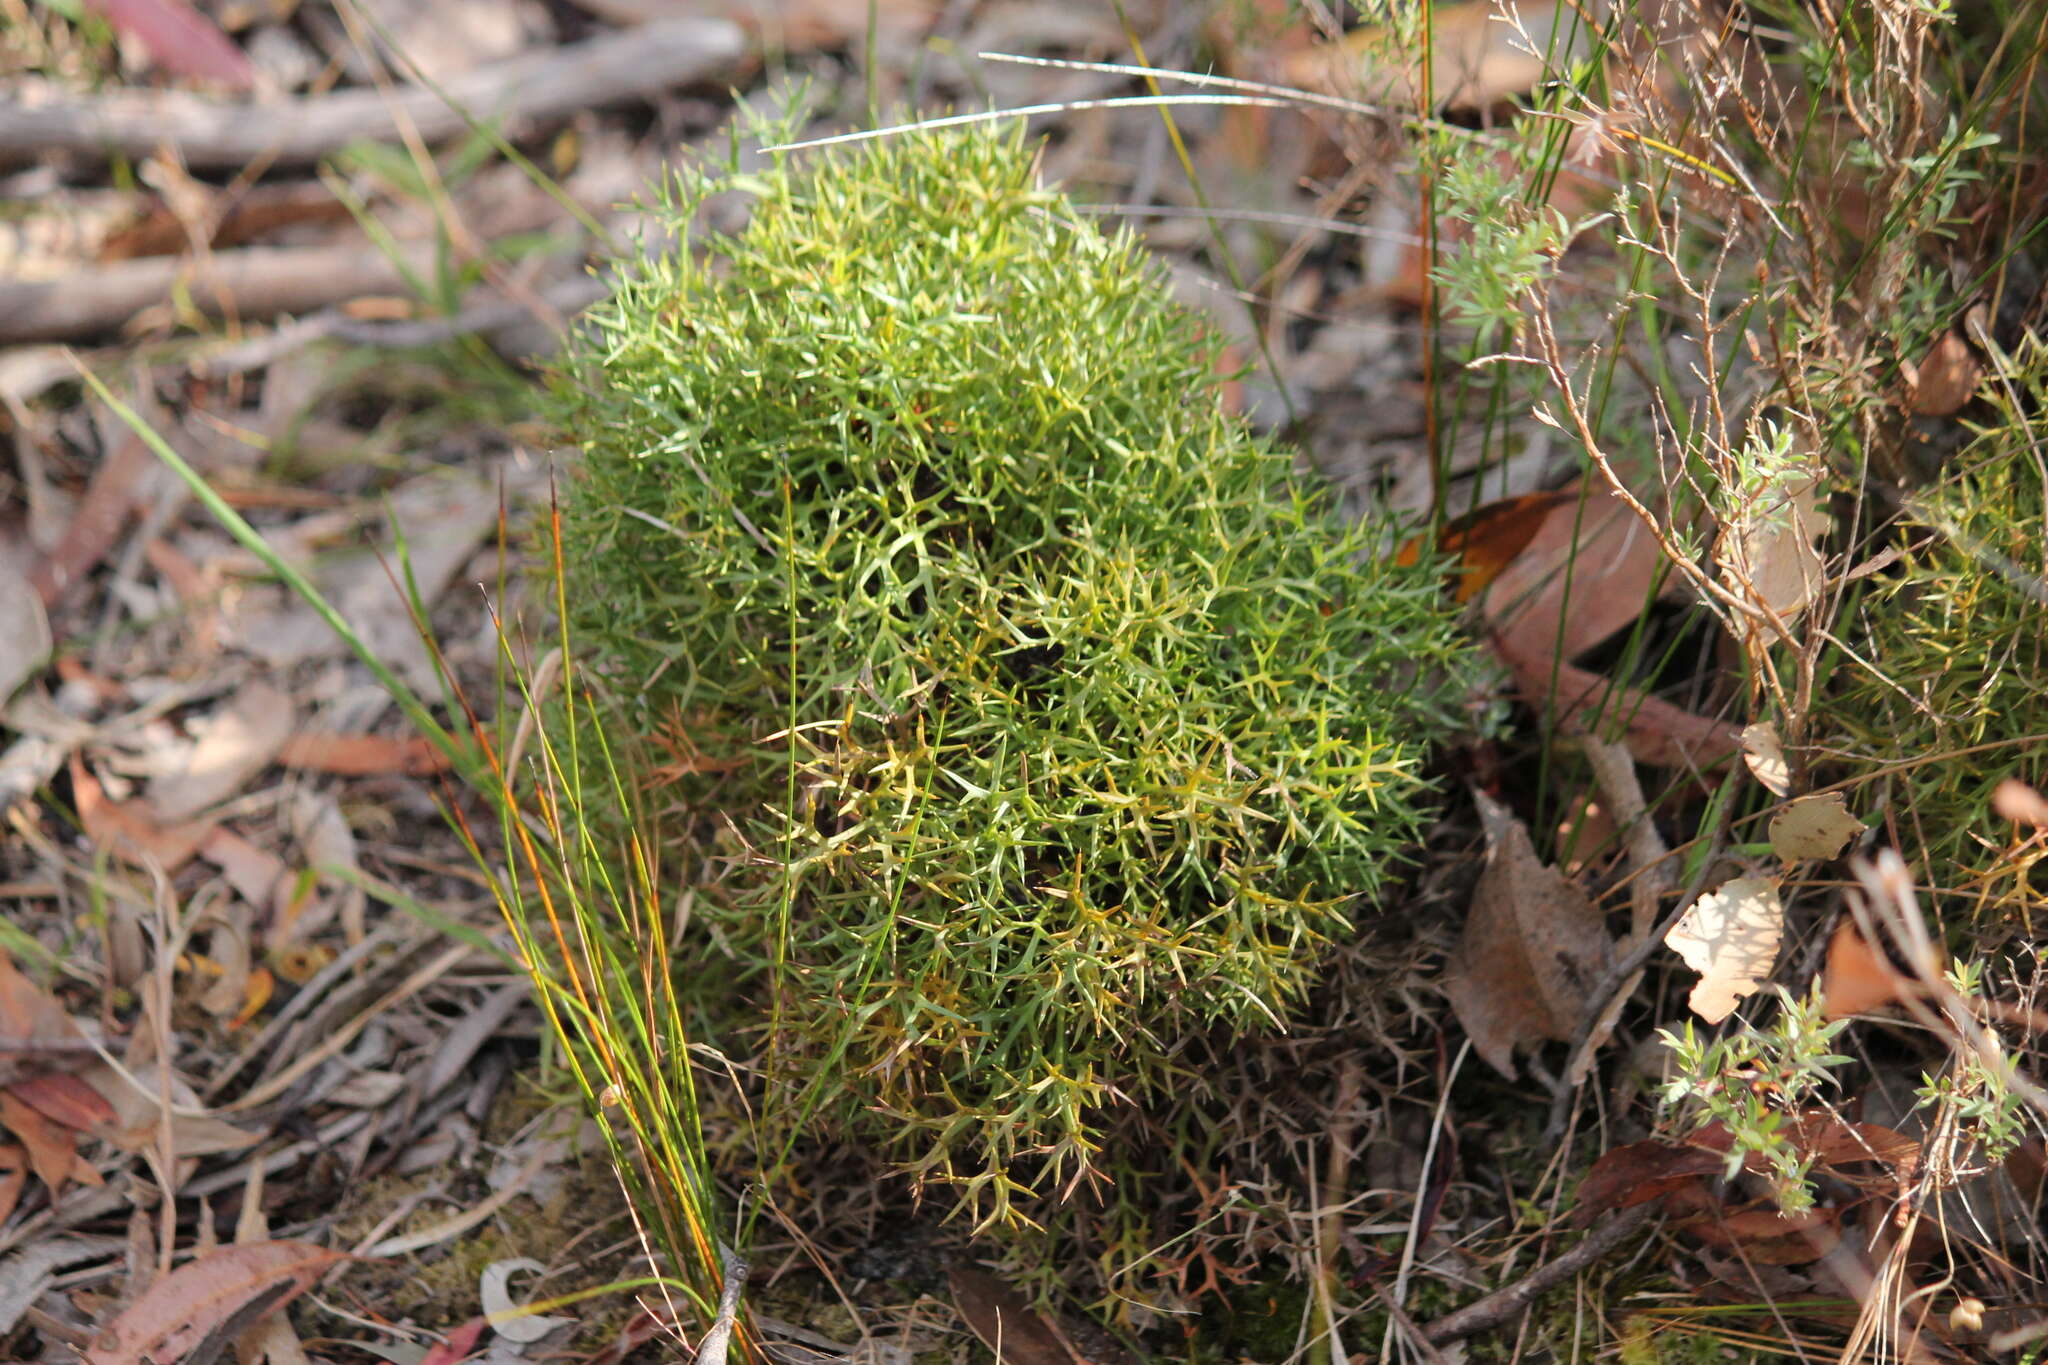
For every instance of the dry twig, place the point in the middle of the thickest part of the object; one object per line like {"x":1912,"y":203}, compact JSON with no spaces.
{"x":546,"y":83}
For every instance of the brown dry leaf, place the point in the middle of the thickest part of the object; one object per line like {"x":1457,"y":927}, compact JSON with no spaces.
{"x":210,"y":1300}
{"x":2019,"y":803}
{"x":1485,"y":541}
{"x":63,"y":1098}
{"x":326,"y":842}
{"x":1655,"y":731}
{"x":35,"y":1030}
{"x":116,"y":489}
{"x":1731,"y":938}
{"x":236,"y":743}
{"x":1477,"y":57}
{"x":1945,"y":379}
{"x":255,"y":873}
{"x":52,"y":1148}
{"x":138,"y":1123}
{"x":1857,"y":977}
{"x":25,"y":639}
{"x":1770,"y":1237}
{"x":1768,"y":553}
{"x":1637,"y":1173}
{"x":1816,"y":827}
{"x":1006,"y":1324}
{"x":363,"y":755}
{"x":1531,"y":952}
{"x":130,"y":829}
{"x":1764,"y":752}
{"x":1586,"y":574}
{"x":13,"y":1178}
{"x":442,"y":516}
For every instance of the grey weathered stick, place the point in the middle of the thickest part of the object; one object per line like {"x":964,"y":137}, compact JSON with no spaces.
{"x":1497,"y":1307}
{"x":260,"y":282}
{"x":216,"y":135}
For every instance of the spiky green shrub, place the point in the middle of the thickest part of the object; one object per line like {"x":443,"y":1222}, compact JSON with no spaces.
{"x":1953,"y":696}
{"x":1043,"y":718}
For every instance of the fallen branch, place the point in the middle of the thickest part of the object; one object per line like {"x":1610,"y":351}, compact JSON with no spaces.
{"x":259,"y":281}
{"x":502,"y":322}
{"x":542,"y":84}
{"x":1497,"y":1307}
{"x":248,"y":282}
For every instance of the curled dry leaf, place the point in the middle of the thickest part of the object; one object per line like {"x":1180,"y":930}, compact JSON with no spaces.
{"x":508,"y":1319}
{"x":1731,"y":938}
{"x":1816,"y":827}
{"x":212,"y":1299}
{"x":1764,"y":753}
{"x":1532,"y":950}
{"x":52,"y":1148}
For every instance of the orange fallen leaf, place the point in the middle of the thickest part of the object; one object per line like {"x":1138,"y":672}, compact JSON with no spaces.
{"x":1586,"y":574}
{"x":52,"y":1148}
{"x":129,"y":828}
{"x":210,"y":1300}
{"x":1486,"y":540}
{"x":1945,"y":379}
{"x":1656,"y":732}
{"x":63,"y":1098}
{"x":1532,"y":949}
{"x":362,"y":755}
{"x":1857,"y":977}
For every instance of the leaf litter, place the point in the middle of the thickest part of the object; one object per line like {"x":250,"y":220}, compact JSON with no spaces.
{"x":1532,"y":950}
{"x":1731,"y":937}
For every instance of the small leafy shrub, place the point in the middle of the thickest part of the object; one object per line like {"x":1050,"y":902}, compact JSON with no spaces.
{"x":1040,"y":717}
{"x":1952,"y":699}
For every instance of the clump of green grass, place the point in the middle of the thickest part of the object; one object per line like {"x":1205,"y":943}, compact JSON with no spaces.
{"x":1047,"y":720}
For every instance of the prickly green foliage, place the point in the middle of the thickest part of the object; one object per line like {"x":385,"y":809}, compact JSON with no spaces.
{"x":1056,"y":720}
{"x":1955,"y":697}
